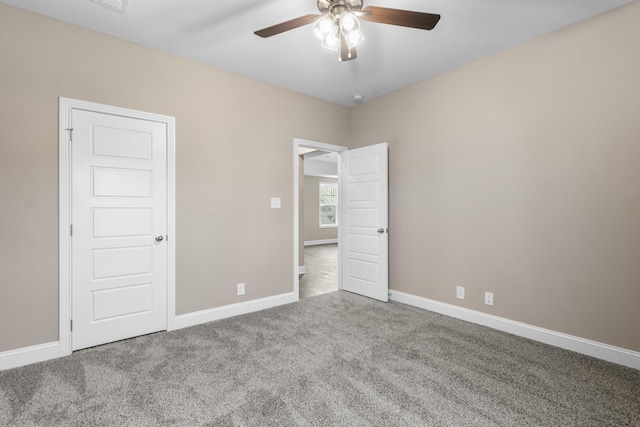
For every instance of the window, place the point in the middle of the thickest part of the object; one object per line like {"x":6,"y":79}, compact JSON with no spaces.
{"x":328,"y":205}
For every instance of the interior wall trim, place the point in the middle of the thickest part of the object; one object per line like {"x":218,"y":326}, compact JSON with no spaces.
{"x":204,"y":316}
{"x":28,"y":355}
{"x":320,"y":242}
{"x":599,"y":350}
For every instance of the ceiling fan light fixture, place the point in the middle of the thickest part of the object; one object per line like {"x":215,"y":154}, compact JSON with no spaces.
{"x":339,"y":30}
{"x":332,"y":41}
{"x":324,"y":26}
{"x":349,"y":22}
{"x":354,"y":38}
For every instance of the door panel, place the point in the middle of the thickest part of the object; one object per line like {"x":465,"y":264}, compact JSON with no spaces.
{"x":367,"y":245}
{"x":364,"y":212}
{"x":120,"y":262}
{"x":363,"y":271}
{"x":121,"y":222}
{"x":119,"y":205}
{"x":127,"y":300}
{"x":123,"y":143}
{"x":121,"y":183}
{"x":363,"y":192}
{"x":363,"y":218}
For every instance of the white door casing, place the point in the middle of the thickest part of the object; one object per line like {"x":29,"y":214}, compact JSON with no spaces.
{"x":364,"y":221}
{"x":117,"y":186}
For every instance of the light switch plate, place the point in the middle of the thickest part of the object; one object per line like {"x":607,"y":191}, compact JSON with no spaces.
{"x":275,"y":203}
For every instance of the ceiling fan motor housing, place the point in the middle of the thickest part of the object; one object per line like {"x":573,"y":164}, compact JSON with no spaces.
{"x":327,"y":5}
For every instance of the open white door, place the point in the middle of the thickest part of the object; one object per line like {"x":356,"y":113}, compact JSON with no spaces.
{"x":364,"y":222}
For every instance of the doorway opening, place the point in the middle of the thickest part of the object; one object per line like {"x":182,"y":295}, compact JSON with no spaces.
{"x":316,"y":220}
{"x":319,"y":223}
{"x":363,"y":229}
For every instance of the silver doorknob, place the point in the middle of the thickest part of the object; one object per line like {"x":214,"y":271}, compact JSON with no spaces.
{"x":159,"y":238}
{"x":381,"y":230}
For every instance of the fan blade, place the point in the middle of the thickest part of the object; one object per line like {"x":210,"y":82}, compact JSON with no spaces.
{"x":352,"y":53}
{"x":403,"y":18}
{"x":286,"y":26}
{"x":346,"y":54}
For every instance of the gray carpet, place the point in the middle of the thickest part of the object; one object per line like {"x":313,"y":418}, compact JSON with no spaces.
{"x":335,"y":359}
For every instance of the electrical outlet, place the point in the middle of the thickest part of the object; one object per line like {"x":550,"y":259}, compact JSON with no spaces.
{"x":460,"y":292}
{"x":240,"y":288}
{"x":276,"y":203}
{"x":488,"y":298}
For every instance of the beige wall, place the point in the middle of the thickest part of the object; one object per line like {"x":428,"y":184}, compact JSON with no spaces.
{"x":226,"y":230}
{"x":312,"y":230}
{"x":516,"y":174}
{"x":520,"y":174}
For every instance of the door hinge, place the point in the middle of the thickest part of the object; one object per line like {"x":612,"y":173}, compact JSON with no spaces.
{"x":71,"y":230}
{"x":71,"y":325}
{"x":70,"y":134}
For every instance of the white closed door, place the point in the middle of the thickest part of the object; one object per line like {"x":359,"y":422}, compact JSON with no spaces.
{"x":364,"y":222}
{"x":119,"y":220}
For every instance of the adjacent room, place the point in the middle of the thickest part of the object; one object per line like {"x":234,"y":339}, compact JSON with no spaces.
{"x":318,"y":219}
{"x":292,"y":213}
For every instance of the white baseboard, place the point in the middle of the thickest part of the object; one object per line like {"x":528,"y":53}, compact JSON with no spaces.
{"x":320,"y":242}
{"x":595,"y":349}
{"x":302,"y":270}
{"x":27,"y":355}
{"x":40,"y":353}
{"x":204,"y":316}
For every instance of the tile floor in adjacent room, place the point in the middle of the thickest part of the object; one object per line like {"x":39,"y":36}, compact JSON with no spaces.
{"x":321,"y":265}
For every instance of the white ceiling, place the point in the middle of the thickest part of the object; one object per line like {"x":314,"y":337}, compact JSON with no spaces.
{"x":220,"y":33}
{"x":321,"y":156}
{"x":321,"y":164}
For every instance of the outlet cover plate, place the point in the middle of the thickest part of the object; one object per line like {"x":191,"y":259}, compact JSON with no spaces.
{"x":240,"y":288}
{"x":488,"y":298}
{"x":460,"y":292}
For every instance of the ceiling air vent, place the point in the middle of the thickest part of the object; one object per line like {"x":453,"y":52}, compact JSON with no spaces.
{"x":117,"y":5}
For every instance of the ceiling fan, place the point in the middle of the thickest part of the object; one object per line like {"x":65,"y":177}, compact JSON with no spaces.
{"x":338,"y":25}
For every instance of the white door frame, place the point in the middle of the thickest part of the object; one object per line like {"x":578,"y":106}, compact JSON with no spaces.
{"x":297,"y":144}
{"x":66,"y":106}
